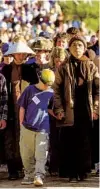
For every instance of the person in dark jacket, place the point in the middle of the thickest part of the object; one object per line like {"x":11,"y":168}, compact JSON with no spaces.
{"x":95,"y":130}
{"x":76,"y":101}
{"x":18,"y":75}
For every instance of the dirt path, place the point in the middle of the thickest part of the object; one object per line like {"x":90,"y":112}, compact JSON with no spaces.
{"x":92,"y":181}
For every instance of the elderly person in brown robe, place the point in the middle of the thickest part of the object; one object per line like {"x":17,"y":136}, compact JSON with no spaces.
{"x":18,"y":75}
{"x":76,"y":99}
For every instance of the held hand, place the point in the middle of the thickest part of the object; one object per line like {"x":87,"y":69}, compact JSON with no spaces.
{"x":2,"y":124}
{"x":95,"y":116}
{"x":60,"y":115}
{"x":20,"y":124}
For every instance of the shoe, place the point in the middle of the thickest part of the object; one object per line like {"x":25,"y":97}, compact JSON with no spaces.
{"x":97,"y":172}
{"x":54,"y":174}
{"x":72,"y":178}
{"x":27,"y":181}
{"x":13,"y":176}
{"x":82,"y":177}
{"x":38,"y":181}
{"x":21,"y":174}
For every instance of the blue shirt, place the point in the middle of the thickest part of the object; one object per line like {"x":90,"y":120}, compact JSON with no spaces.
{"x":35,"y":102}
{"x":31,"y":61}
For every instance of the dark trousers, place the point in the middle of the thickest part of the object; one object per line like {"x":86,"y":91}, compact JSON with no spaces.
{"x":95,"y":143}
{"x":67,"y":157}
{"x":74,"y":151}
{"x":54,"y":134}
{"x":8,"y":148}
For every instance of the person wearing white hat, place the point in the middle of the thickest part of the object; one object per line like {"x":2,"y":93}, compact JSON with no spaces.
{"x":17,"y":74}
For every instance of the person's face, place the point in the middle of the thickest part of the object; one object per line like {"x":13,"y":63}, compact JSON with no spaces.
{"x":8,"y":59}
{"x":43,"y":27}
{"x":93,"y":40}
{"x":61,"y":42}
{"x":41,"y":57}
{"x":19,"y":57}
{"x":10,"y":34}
{"x":57,"y":62}
{"x":77,"y":49}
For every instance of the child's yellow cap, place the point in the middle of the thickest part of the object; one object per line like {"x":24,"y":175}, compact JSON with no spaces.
{"x":48,"y":76}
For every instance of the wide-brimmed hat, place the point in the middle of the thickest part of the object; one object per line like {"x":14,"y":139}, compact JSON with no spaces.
{"x":43,"y":44}
{"x":19,"y":47}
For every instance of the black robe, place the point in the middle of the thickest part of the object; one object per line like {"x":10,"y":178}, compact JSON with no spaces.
{"x":11,"y":135}
{"x":75,"y":141}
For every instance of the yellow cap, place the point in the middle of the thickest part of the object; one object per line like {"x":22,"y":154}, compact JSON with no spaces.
{"x":48,"y":76}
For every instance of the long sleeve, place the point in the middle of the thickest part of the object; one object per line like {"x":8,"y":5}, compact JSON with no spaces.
{"x":58,"y":93}
{"x":29,"y":73}
{"x":3,"y":98}
{"x":96,"y":77}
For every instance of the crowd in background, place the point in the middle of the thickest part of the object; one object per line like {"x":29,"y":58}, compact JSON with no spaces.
{"x":34,"y":36}
{"x":32,"y":17}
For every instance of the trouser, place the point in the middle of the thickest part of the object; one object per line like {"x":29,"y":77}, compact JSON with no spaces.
{"x":9,"y":147}
{"x":12,"y":149}
{"x":95,"y":145}
{"x":2,"y":149}
{"x":34,"y":150}
{"x":54,"y":157}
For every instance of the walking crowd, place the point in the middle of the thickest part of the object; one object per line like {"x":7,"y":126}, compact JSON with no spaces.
{"x":49,"y":95}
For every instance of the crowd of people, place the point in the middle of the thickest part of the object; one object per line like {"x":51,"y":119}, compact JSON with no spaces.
{"x":32,"y":17}
{"x":49,"y":94}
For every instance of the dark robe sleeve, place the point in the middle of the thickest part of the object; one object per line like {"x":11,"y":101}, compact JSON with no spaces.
{"x":30,"y":73}
{"x":6,"y":71}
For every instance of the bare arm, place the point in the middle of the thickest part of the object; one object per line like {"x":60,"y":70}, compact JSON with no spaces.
{"x":21,"y":115}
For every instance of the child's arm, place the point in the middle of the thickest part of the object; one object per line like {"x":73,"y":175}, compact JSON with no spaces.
{"x":50,"y":108}
{"x":50,"y":111}
{"x":22,"y":102}
{"x":21,"y":115}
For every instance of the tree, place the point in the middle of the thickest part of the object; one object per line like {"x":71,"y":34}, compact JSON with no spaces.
{"x":86,"y":10}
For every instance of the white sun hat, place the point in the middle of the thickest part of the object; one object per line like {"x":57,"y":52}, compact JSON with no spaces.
{"x":19,"y":47}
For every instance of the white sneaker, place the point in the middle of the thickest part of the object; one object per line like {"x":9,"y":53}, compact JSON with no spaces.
{"x":38,"y":181}
{"x":27,"y":181}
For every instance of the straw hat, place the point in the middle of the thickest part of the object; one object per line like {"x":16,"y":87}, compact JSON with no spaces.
{"x":19,"y":47}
